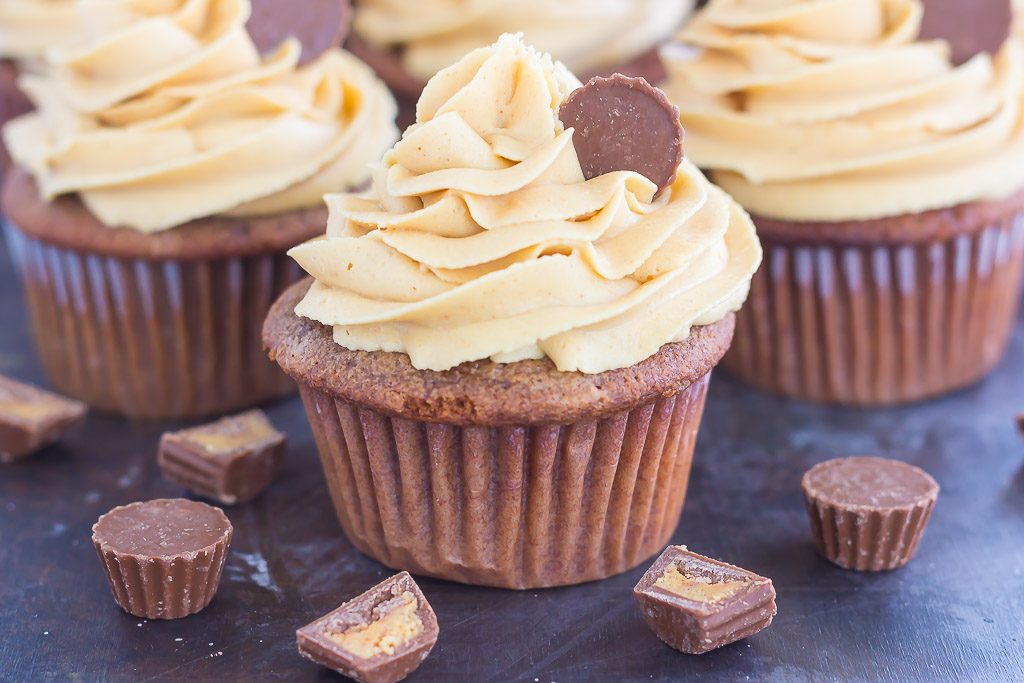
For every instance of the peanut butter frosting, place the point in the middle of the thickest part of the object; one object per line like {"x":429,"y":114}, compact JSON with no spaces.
{"x":166,"y":112}
{"x":482,"y":239}
{"x":28,"y":28}
{"x":587,"y":35}
{"x":833,"y":110}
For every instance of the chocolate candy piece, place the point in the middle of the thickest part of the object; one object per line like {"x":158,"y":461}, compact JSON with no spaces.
{"x":868,"y":514}
{"x":970,"y":26}
{"x":163,"y":558}
{"x":696,"y":604}
{"x":231,"y":461}
{"x":379,"y":637}
{"x":31,"y":418}
{"x":625,"y":124}
{"x":318,"y":24}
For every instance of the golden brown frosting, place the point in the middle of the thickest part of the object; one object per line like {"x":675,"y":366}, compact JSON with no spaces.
{"x":832,"y":110}
{"x":166,"y":112}
{"x":587,"y":35}
{"x":482,"y":239}
{"x":28,"y":28}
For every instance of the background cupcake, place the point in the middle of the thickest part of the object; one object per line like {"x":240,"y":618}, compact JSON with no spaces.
{"x":885,"y":183}
{"x":167,"y":169}
{"x":27,"y":29}
{"x":408,"y":42}
{"x":505,"y":364}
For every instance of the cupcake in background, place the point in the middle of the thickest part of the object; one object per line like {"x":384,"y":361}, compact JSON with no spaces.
{"x":27,"y":29}
{"x":167,"y":169}
{"x":886,"y":183}
{"x":504,"y":363}
{"x":408,"y":42}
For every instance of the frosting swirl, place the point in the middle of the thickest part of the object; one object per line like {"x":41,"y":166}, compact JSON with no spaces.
{"x":28,"y":28}
{"x":832,"y":110}
{"x":434,"y":34}
{"x":167,"y":113}
{"x":481,"y":238}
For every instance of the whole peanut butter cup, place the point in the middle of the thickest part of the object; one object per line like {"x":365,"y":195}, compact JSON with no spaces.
{"x":318,"y":24}
{"x":868,"y":514}
{"x":163,"y":558}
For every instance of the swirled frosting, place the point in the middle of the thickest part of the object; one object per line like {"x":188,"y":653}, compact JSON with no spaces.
{"x":168,"y":113}
{"x":832,"y":110}
{"x":587,"y":35}
{"x":482,"y":239}
{"x":28,"y":28}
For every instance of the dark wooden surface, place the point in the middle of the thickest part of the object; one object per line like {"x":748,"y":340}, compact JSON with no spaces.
{"x":955,"y":613}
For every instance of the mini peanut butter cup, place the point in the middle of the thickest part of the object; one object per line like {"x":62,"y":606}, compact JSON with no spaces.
{"x":318,"y":24}
{"x":969,"y":26}
{"x":868,"y":514}
{"x":379,"y":637}
{"x":31,"y":419}
{"x":696,"y":604}
{"x":163,"y":558}
{"x":625,"y":124}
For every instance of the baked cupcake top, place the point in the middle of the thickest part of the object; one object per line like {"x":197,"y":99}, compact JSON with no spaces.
{"x":586,"y":35}
{"x":166,"y":112}
{"x":482,"y":239}
{"x":833,"y":110}
{"x":28,"y":28}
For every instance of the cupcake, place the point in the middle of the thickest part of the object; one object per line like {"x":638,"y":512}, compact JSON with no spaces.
{"x":505,"y":363}
{"x":168,"y":168}
{"x":408,"y":42}
{"x":886,"y":185}
{"x":27,"y":29}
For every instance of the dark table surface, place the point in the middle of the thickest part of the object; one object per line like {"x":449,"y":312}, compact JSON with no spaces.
{"x":955,"y":613}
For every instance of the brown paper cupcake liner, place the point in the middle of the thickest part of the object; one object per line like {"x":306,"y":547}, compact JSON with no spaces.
{"x":153,"y":338}
{"x":868,"y":325}
{"x":511,"y":506}
{"x":867,"y":540}
{"x":164,"y":588}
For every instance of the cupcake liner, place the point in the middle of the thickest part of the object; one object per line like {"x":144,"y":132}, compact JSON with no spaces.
{"x":880,"y":324}
{"x":164,"y":588}
{"x":517,"y":506}
{"x":150,"y":338}
{"x":864,"y":539}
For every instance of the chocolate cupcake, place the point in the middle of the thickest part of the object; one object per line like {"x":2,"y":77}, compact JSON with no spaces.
{"x":886,"y":186}
{"x":504,"y":363}
{"x":155,"y":200}
{"x":27,"y":29}
{"x":868,"y":514}
{"x":408,"y":42}
{"x":163,"y":558}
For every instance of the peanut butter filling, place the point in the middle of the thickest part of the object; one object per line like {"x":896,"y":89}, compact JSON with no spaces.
{"x":698,"y":588}
{"x":385,"y":635}
{"x":213,"y":442}
{"x":28,"y":410}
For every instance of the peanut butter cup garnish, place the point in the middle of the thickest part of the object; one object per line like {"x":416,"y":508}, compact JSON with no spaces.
{"x":318,"y":24}
{"x":969,"y":26}
{"x":625,"y":124}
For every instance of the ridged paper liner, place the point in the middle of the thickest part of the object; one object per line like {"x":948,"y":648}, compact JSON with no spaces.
{"x":864,"y":539}
{"x":153,"y":339}
{"x":513,"y":506}
{"x":164,"y":588}
{"x":880,"y":325}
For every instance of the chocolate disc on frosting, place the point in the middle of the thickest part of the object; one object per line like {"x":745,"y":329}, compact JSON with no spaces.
{"x":970,"y":26}
{"x":625,"y":124}
{"x":318,"y":24}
